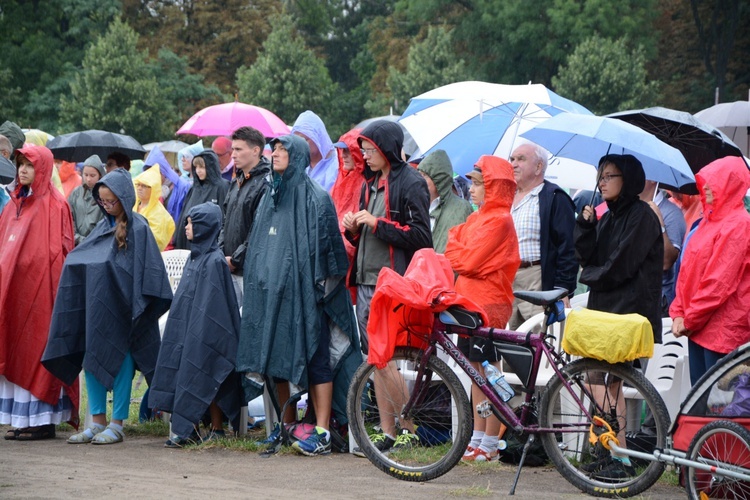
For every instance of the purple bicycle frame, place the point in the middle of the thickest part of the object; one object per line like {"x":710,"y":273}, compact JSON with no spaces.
{"x":440,"y":336}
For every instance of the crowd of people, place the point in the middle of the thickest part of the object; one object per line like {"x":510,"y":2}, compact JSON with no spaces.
{"x":286,"y":235}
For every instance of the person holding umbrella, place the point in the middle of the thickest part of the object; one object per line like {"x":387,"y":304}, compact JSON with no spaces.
{"x":622,"y":257}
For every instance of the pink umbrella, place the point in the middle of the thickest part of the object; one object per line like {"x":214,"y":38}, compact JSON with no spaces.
{"x":224,"y":119}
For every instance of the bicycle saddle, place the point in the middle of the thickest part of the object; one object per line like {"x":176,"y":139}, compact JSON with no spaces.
{"x":542,"y":298}
{"x":458,"y":316}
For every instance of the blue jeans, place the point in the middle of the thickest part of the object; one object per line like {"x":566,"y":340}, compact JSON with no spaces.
{"x":120,"y":392}
{"x":701,"y":359}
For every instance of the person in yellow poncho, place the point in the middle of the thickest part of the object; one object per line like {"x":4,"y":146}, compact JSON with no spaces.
{"x":148,"y":191}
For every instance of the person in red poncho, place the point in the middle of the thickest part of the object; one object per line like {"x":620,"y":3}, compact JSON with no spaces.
{"x":484,"y":253}
{"x":36,"y":233}
{"x":713,"y":287}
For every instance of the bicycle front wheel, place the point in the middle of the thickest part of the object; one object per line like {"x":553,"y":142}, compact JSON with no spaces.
{"x":722,"y":444}
{"x":628,"y":402}
{"x":432,"y":438}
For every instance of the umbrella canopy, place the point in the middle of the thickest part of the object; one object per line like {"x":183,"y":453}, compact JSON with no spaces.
{"x":732,"y":118}
{"x":570,"y":174}
{"x":224,"y":119}
{"x":78,"y":146}
{"x":699,"y":142}
{"x":7,"y":171}
{"x":167,"y":146}
{"x":410,"y":147}
{"x":36,"y":136}
{"x":470,"y":119}
{"x":587,"y":138}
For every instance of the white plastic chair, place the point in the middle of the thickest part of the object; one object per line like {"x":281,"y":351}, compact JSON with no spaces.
{"x":580,"y":300}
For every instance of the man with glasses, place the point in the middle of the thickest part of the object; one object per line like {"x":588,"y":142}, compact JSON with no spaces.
{"x":223,"y":149}
{"x":392,"y":223}
{"x":544,"y":218}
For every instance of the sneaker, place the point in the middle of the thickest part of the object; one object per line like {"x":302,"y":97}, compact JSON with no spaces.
{"x":181,"y":443}
{"x":616,"y":471}
{"x":597,"y":465}
{"x":480,"y":455}
{"x":382,"y":442}
{"x":405,"y":441}
{"x":319,"y":443}
{"x":273,"y":437}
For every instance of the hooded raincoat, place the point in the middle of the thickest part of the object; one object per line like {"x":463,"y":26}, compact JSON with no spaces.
{"x":86,"y":212}
{"x":110,"y":299}
{"x":327,"y":169}
{"x":345,"y":192}
{"x":713,"y":287}
{"x":199,"y":348}
{"x":69,"y":177}
{"x":622,"y":254}
{"x":484,"y":250}
{"x":36,"y":234}
{"x":213,"y":189}
{"x":405,"y":228}
{"x":451,"y":210}
{"x":180,"y":183}
{"x":158,"y":218}
{"x":286,"y":296}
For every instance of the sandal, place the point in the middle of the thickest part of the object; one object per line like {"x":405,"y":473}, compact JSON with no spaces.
{"x":105,"y":438}
{"x":36,"y":433}
{"x":11,"y":434}
{"x":87,"y":435}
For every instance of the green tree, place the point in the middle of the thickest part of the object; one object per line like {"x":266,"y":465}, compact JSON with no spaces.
{"x":431,"y":63}
{"x":606,"y":76}
{"x":117,"y":90}
{"x":287,"y":78}
{"x":41,"y":45}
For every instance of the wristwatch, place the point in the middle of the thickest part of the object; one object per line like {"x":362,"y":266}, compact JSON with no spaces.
{"x":663,"y":230}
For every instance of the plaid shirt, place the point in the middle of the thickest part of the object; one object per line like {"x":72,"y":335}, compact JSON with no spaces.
{"x":528,"y":225}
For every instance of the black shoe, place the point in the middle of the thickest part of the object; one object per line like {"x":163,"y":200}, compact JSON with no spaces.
{"x":382,"y":442}
{"x":597,"y":465}
{"x":616,"y":471}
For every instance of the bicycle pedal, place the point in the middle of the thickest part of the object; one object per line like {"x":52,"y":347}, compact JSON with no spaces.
{"x":484,"y":409}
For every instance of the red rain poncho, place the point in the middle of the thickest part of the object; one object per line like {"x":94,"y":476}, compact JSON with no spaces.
{"x":403,"y":307}
{"x":348,"y":186}
{"x":484,"y":249}
{"x":713,"y":287}
{"x":36,"y":233}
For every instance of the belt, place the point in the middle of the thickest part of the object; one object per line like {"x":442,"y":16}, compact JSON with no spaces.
{"x":526,"y":263}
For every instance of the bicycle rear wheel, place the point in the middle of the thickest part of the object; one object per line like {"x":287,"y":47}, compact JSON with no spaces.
{"x":725,"y":444}
{"x":441,"y":420}
{"x":623,"y":397}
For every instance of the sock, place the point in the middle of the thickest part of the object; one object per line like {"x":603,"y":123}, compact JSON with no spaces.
{"x":489,"y":443}
{"x":624,"y":460}
{"x":110,"y":432}
{"x":476,"y":438}
{"x":321,"y":430}
{"x":389,"y":437}
{"x":93,"y":430}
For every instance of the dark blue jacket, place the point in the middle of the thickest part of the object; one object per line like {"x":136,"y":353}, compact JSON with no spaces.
{"x":558,"y":219}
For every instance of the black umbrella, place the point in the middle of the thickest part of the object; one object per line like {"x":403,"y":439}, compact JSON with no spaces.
{"x":78,"y":146}
{"x":7,"y":171}
{"x":699,"y":142}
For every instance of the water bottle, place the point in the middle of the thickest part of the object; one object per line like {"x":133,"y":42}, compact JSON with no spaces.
{"x":497,"y":381}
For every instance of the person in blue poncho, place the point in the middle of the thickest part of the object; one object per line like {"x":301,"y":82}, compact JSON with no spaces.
{"x":297,"y":311}
{"x":180,"y":183}
{"x":195,"y":369}
{"x":112,"y":291}
{"x":324,"y":161}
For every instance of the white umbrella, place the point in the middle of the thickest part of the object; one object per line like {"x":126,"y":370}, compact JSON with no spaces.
{"x":470,"y":119}
{"x":732,"y":118}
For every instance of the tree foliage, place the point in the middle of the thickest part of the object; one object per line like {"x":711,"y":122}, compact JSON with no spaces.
{"x":606,"y":76}
{"x":117,"y":90}
{"x":287,"y":77}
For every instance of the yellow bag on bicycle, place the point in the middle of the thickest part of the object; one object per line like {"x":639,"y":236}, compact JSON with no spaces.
{"x":614,"y":338}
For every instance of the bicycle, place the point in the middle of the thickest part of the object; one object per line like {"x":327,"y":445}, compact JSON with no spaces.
{"x":580,"y":409}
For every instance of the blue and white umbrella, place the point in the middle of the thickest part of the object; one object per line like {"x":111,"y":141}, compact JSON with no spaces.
{"x":470,"y":119}
{"x":587,"y":138}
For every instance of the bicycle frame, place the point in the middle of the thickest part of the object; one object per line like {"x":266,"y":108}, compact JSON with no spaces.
{"x":440,"y":335}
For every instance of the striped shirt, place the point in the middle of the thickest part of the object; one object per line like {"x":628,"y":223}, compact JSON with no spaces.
{"x":528,"y":225}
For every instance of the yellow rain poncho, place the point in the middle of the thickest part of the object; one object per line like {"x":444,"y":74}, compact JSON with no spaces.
{"x":159,"y":220}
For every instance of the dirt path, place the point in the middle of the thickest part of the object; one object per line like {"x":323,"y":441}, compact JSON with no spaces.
{"x":142,"y":468}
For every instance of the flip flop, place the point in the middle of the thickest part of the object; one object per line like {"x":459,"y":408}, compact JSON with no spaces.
{"x":104,"y":438}
{"x":36,"y":433}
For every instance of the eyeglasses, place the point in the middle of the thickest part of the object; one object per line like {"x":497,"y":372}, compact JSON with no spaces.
{"x":368,"y":151}
{"x":608,"y":177}
{"x":107,"y":204}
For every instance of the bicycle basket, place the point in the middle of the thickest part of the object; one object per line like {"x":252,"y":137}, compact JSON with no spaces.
{"x":614,"y":338}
